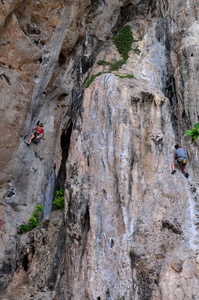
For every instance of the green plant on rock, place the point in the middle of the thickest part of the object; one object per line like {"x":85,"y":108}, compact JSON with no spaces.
{"x":137,"y":50}
{"x":169,"y":90}
{"x":141,"y":37}
{"x":123,"y":41}
{"x":125,"y":76}
{"x":193,"y":132}
{"x":32,"y":222}
{"x":92,"y":78}
{"x":103,"y":63}
{"x":117,"y":65}
{"x":59,"y":200}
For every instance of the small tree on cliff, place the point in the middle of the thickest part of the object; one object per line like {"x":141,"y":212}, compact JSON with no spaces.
{"x":193,"y":132}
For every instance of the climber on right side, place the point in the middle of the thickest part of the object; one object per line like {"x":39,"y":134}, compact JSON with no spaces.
{"x":180,"y":159}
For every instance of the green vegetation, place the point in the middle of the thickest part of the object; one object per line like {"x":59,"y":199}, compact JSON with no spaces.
{"x":169,"y":90}
{"x":55,"y":224}
{"x":137,"y":50}
{"x":59,"y":200}
{"x":92,"y":78}
{"x":103,"y":63}
{"x":123,"y":42}
{"x":125,"y":76}
{"x":193,"y":132}
{"x":32,"y":222}
{"x":117,"y":65}
{"x":141,"y":37}
{"x":76,"y":182}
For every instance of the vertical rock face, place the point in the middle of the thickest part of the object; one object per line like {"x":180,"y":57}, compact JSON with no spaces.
{"x":130,"y":228}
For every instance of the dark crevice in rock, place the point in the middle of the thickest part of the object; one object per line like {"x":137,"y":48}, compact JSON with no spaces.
{"x":62,"y":97}
{"x":174,"y":122}
{"x":33,"y":30}
{"x":7,"y":79}
{"x":95,"y":3}
{"x":62,"y":59}
{"x":86,"y":59}
{"x":86,"y":63}
{"x":127,"y":13}
{"x":152,"y":7}
{"x":88,"y":161}
{"x":86,"y":228}
{"x":143,"y":278}
{"x":65,"y":144}
{"x":175,"y":228}
{"x":108,"y":296}
{"x":6,"y":268}
{"x":25,"y":262}
{"x":130,"y":11}
{"x":38,"y":156}
{"x":57,"y":259}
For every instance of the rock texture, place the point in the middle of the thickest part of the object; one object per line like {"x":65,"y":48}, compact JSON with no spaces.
{"x":129,"y":228}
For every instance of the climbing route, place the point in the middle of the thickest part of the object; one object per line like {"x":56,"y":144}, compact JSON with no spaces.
{"x":177,"y":81}
{"x":55,"y":41}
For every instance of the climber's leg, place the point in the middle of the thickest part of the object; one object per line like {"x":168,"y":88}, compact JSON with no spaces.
{"x":31,"y":138}
{"x":185,"y":171}
{"x":173,"y":166}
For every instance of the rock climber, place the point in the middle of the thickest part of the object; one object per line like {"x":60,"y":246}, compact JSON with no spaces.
{"x":180,"y":159}
{"x":37,"y":134}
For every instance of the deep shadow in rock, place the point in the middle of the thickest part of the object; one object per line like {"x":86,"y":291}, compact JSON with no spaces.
{"x":65,"y":144}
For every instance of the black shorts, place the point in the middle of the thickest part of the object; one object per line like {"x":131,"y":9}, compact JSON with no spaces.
{"x":36,"y":134}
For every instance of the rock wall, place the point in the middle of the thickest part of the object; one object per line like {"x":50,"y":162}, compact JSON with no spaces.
{"x":130,"y":228}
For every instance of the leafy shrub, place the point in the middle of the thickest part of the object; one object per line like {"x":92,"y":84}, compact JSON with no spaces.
{"x":32,"y":222}
{"x":193,"y":132}
{"x":117,"y":65}
{"x":123,"y":41}
{"x":59,"y":200}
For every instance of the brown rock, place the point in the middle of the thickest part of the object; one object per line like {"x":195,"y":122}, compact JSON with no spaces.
{"x":177,"y":264}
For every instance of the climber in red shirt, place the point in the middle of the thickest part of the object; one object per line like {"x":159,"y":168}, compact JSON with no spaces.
{"x":37,"y":134}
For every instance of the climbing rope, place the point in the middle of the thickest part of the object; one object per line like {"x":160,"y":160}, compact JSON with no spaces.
{"x":177,"y":85}
{"x":37,"y":108}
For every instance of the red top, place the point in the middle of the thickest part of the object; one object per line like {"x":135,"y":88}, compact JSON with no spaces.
{"x":40,"y":130}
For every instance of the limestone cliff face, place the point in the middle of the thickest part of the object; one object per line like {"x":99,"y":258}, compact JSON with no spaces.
{"x":129,"y":229}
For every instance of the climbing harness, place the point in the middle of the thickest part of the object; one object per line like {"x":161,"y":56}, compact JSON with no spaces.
{"x":182,"y":161}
